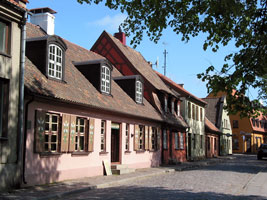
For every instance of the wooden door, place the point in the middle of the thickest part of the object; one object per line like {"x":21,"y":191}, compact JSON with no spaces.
{"x":115,"y":145}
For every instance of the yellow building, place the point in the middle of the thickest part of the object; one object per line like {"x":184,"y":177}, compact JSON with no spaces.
{"x":248,"y":133}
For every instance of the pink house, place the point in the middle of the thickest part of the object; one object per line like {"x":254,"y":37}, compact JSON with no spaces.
{"x":78,"y":113}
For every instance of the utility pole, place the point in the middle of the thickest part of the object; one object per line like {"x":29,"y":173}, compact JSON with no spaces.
{"x":165,"y":61}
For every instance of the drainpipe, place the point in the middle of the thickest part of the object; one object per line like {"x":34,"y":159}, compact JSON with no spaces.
{"x":21,"y":91}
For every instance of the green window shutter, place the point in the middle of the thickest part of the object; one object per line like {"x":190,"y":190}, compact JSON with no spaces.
{"x":150,"y":138}
{"x":158,"y":138}
{"x":72,"y":133}
{"x":146,"y":138}
{"x":39,"y":131}
{"x":91,"y":132}
{"x":65,"y":132}
{"x":136,"y":137}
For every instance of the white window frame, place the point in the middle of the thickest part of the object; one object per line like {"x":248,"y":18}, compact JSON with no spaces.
{"x":138,"y":92}
{"x":178,"y":109}
{"x":55,"y":62}
{"x":165,"y":104}
{"x":105,"y":79}
{"x":172,"y":105}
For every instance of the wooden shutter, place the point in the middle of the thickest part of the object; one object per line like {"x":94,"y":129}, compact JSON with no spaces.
{"x":72,"y":133}
{"x":146,"y":138}
{"x":65,"y":133}
{"x":150,"y":138}
{"x":91,"y":132}
{"x":136,"y":137}
{"x":39,"y":131}
{"x":158,"y":138}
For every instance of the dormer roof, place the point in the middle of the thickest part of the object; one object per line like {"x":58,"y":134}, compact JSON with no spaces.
{"x":77,"y":89}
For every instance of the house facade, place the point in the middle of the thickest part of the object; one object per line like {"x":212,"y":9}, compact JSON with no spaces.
{"x":212,"y":138}
{"x":131,"y":63}
{"x":193,"y":111}
{"x":79,"y":113}
{"x":220,"y":118}
{"x":247,"y":133}
{"x":12,"y":20}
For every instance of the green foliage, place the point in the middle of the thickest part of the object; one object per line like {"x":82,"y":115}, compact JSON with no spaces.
{"x":241,"y":21}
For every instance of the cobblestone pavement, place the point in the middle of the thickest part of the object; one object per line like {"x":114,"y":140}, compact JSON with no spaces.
{"x":228,"y":180}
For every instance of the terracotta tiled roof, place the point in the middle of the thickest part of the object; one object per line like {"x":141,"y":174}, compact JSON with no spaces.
{"x":210,"y":126}
{"x":77,"y":88}
{"x":18,"y":4}
{"x":140,"y":64}
{"x":178,"y":88}
{"x":213,"y":109}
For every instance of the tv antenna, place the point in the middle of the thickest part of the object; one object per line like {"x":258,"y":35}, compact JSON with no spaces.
{"x":165,"y":58}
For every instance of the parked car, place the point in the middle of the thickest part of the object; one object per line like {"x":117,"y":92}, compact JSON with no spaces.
{"x":262,"y":152}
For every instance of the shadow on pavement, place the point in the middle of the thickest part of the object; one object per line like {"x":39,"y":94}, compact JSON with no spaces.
{"x":132,"y":193}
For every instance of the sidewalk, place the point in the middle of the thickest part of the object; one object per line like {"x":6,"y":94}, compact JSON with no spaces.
{"x":61,"y":189}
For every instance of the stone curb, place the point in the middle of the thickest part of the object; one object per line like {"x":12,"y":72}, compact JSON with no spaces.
{"x":103,"y":185}
{"x":163,"y":170}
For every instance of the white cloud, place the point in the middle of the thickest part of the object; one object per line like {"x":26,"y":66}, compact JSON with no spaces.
{"x":110,"y":23}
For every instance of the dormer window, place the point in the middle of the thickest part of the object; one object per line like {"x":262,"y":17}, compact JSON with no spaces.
{"x":105,"y":79}
{"x":55,"y":62}
{"x":172,"y":106}
{"x":165,"y":104}
{"x":48,"y":55}
{"x":139,"y":92}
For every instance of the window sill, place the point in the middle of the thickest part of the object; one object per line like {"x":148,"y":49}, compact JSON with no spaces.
{"x":127,"y":152}
{"x":140,"y":151}
{"x":3,"y":139}
{"x":5,"y":54}
{"x":80,"y":153}
{"x":103,"y":153}
{"x":55,"y":79}
{"x":153,"y":150}
{"x":48,"y":154}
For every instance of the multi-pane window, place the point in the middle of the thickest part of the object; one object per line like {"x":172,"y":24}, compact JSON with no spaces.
{"x":127,"y":135}
{"x":165,"y":139}
{"x":3,"y":107}
{"x":197,"y":114}
{"x":51,"y":132}
{"x":201,"y":114}
{"x":154,"y":138}
{"x":194,"y":113}
{"x":4,"y":37}
{"x":189,"y":110}
{"x":165,"y":104}
{"x":105,"y":79}
{"x":178,"y":109}
{"x":80,"y":134}
{"x":141,"y":137}
{"x":181,"y":141}
{"x":55,"y":60}
{"x":172,"y":106}
{"x":103,"y":135}
{"x":139,"y":92}
{"x":176,"y":140}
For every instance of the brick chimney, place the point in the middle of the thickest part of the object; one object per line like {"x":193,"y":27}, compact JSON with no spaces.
{"x":121,"y":36}
{"x":44,"y":17}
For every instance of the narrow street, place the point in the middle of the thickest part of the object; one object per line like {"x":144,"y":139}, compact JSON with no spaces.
{"x":241,"y":178}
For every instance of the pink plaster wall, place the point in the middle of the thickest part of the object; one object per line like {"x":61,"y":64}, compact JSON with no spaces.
{"x":41,"y":170}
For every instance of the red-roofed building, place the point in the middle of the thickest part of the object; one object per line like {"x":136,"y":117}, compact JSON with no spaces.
{"x":212,"y":136}
{"x":193,"y":111}
{"x":167,"y":102}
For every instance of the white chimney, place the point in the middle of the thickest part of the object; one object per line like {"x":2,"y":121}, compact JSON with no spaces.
{"x":44,"y":18}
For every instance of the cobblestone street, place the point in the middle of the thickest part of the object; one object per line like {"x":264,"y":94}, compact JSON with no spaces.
{"x":229,"y":180}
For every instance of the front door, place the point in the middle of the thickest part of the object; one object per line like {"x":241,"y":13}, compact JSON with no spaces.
{"x":115,"y":143}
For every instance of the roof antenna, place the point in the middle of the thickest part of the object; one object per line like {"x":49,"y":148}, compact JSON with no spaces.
{"x":165,"y":58}
{"x":120,"y":29}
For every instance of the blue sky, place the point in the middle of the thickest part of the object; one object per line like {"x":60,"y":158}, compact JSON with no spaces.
{"x":83,"y":24}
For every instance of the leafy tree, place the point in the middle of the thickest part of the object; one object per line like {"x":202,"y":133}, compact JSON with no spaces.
{"x":242,"y":21}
